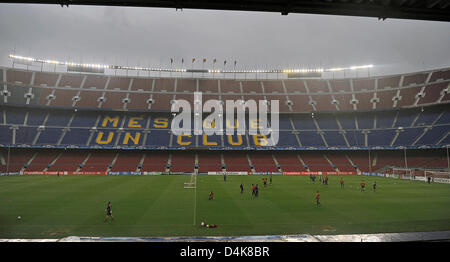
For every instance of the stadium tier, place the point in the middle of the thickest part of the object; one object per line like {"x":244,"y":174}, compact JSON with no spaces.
{"x":94,"y":123}
{"x":70,"y":90}
{"x":40,"y":127}
{"x":76,"y":160}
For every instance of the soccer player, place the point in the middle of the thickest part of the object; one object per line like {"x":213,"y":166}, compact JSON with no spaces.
{"x":342,"y":182}
{"x":109,"y":211}
{"x":265,"y":181}
{"x":317,"y":198}
{"x":242,"y":188}
{"x":375,"y":186}
{"x":253,"y":190}
{"x":256,"y":190}
{"x":270,"y":180}
{"x":429,"y":179}
{"x":211,"y":195}
{"x":225,"y":177}
{"x":363,"y":186}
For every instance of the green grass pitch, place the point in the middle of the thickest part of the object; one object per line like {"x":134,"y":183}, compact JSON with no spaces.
{"x":148,"y":206}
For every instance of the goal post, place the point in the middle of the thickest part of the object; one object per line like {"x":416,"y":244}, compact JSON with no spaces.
{"x":402,"y":171}
{"x":192,"y":184}
{"x":438,"y":176}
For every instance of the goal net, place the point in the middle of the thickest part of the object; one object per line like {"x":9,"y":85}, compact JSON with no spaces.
{"x":402,"y":171}
{"x":192,"y":183}
{"x":437,"y":174}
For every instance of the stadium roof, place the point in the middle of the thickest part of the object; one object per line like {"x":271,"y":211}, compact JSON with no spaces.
{"x":437,"y":10}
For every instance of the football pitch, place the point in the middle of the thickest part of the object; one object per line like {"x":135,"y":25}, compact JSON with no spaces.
{"x":151,"y":206}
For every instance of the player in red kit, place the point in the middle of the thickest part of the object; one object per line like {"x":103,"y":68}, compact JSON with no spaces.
{"x":317,"y":198}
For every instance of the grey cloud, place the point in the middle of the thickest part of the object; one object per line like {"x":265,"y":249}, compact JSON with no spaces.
{"x":144,"y":36}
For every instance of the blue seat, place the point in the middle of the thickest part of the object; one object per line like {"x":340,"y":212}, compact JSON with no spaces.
{"x":311,"y":139}
{"x":49,"y":136}
{"x":76,"y":136}
{"x":408,"y":136}
{"x":334,"y":139}
{"x":381,"y":137}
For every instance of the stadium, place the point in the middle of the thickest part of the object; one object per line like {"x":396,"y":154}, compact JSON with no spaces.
{"x":75,"y":138}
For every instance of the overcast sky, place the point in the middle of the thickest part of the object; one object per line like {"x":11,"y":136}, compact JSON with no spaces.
{"x":150,"y":37}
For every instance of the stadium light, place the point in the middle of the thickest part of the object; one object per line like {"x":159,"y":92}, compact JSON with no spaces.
{"x":183,"y":70}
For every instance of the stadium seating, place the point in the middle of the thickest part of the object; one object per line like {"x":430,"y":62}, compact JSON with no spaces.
{"x":317,"y":161}
{"x":209,"y":162}
{"x":41,"y":161}
{"x":289,"y":161}
{"x":155,"y":161}
{"x":67,"y":118}
{"x":99,"y":162}
{"x":62,"y":127}
{"x":236,"y":161}
{"x":181,"y":162}
{"x":69,"y":161}
{"x":127,"y":162}
{"x":300,"y":96}
{"x":263,"y":162}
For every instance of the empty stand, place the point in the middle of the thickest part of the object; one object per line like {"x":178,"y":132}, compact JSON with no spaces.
{"x":383,"y":92}
{"x":289,"y":162}
{"x":440,"y":75}
{"x":316,"y":161}
{"x":294,"y":86}
{"x":263,"y":162}
{"x":340,"y":85}
{"x":71,"y":81}
{"x":95,"y":82}
{"x":361,"y":160}
{"x":236,"y":161}
{"x":389,"y":82}
{"x":18,"y":76}
{"x":98,"y":161}
{"x":42,"y":160}
{"x":127,"y":162}
{"x":186,"y":85}
{"x":155,"y":161}
{"x":209,"y":162}
{"x":273,"y":87}
{"x":208,"y":86}
{"x":363,"y":84}
{"x":415,"y":79}
{"x":167,"y":85}
{"x":15,"y":159}
{"x":383,"y":159}
{"x":142,"y":84}
{"x":45,"y":79}
{"x":432,"y":93}
{"x":114,"y":100}
{"x":251,"y":87}
{"x":182,"y":162}
{"x":340,"y":160}
{"x":69,"y":161}
{"x":230,"y":86}
{"x":119,"y":83}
